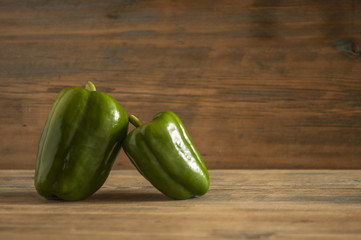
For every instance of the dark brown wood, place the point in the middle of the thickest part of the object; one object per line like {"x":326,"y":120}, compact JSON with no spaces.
{"x":257,"y":83}
{"x":241,"y":204}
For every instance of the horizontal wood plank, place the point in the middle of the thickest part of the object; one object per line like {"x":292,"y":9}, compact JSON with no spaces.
{"x":258,"y":84}
{"x":241,"y":204}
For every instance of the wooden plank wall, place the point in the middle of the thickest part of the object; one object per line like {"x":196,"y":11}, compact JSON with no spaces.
{"x":258,"y":83}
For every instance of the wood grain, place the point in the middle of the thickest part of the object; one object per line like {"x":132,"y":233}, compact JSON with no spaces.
{"x":257,"y":83}
{"x":241,"y":204}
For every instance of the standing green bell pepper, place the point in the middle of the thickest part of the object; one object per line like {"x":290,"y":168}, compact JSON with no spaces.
{"x":164,"y":154}
{"x":80,"y":141}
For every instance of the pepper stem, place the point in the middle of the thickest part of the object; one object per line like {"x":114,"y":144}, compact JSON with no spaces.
{"x":90,"y":86}
{"x":135,"y":121}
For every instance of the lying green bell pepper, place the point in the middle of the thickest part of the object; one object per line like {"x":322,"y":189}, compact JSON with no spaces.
{"x":80,"y":141}
{"x":164,"y":154}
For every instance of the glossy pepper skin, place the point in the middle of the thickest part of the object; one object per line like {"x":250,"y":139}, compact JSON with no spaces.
{"x":164,"y":154}
{"x":80,"y":141}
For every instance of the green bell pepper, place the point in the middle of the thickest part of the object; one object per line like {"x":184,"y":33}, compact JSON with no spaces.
{"x":80,"y":141}
{"x":164,"y":154}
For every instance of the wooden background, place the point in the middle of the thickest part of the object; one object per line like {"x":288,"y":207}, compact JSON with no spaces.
{"x":257,"y":83}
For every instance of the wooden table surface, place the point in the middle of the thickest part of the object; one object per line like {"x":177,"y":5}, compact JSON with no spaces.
{"x":241,"y":204}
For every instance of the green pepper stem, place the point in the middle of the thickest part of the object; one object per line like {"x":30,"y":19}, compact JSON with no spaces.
{"x":90,"y":86}
{"x":135,"y":121}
